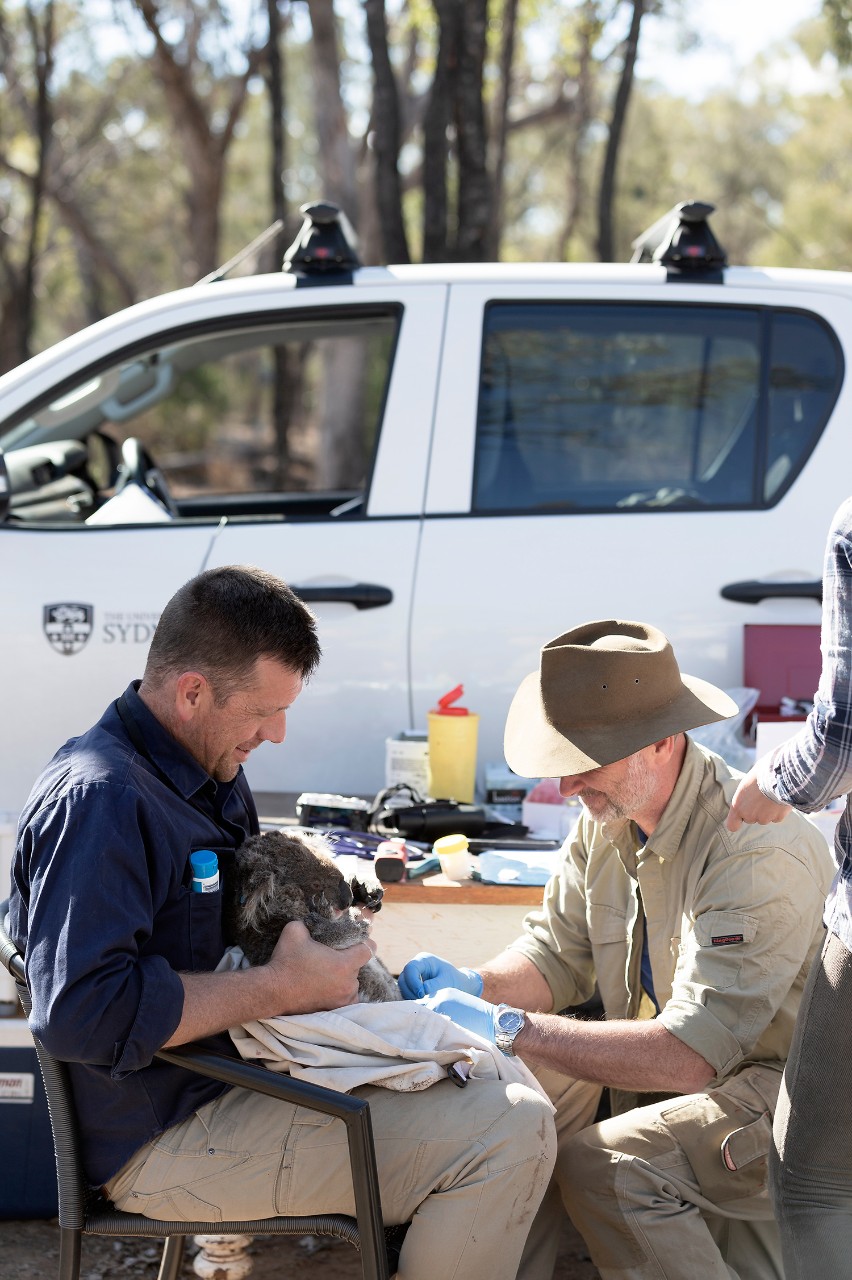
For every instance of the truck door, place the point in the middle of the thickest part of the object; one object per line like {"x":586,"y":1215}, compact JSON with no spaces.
{"x":255,"y":423}
{"x":626,"y":452}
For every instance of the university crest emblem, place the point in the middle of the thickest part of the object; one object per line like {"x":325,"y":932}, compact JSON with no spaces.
{"x":68,"y":626}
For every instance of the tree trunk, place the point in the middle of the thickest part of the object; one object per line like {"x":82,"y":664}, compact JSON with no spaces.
{"x":606,"y":194}
{"x":205,"y":147}
{"x":500,"y":130}
{"x":576,"y":183}
{"x":336,"y":155}
{"x":386,"y":137}
{"x":282,"y":396}
{"x":474,"y":202}
{"x":435,"y":122}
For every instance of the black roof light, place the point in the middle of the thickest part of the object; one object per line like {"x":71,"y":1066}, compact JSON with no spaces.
{"x":324,"y":250}
{"x":682,"y":242}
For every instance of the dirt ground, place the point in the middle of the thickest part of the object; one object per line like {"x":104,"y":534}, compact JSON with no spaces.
{"x":30,"y":1251}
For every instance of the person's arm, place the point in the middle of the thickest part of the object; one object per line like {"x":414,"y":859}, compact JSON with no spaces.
{"x":102,"y":966}
{"x":553,"y":949}
{"x":637,"y":1055}
{"x":512,"y":978}
{"x":815,"y":766}
{"x":302,"y":976}
{"x":641,"y":1056}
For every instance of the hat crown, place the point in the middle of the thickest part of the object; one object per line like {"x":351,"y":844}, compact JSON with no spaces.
{"x":605,"y":673}
{"x":602,"y":692}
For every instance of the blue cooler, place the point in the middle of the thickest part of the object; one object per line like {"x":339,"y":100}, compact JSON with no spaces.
{"x":28,"y":1168}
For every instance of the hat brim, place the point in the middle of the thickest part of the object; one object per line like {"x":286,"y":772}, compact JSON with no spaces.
{"x":535,"y":749}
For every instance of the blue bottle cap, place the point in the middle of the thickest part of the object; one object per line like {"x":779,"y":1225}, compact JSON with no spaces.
{"x":204,"y":863}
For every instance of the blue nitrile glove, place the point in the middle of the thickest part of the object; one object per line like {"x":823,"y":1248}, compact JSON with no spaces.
{"x":466,"y":1010}
{"x":426,"y":974}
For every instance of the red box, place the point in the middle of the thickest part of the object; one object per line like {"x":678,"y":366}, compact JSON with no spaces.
{"x":781,"y":661}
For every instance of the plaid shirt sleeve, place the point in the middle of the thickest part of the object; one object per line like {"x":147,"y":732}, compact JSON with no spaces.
{"x":815,"y":766}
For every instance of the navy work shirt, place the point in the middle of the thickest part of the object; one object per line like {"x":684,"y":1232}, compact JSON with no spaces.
{"x":102,"y":907}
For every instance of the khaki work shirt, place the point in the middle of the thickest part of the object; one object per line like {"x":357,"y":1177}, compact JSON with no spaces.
{"x":734,"y":919}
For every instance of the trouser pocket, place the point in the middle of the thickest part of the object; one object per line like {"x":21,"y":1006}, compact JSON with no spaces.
{"x":726,"y":1143}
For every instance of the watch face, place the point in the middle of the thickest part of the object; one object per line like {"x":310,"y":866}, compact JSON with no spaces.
{"x":510,"y":1021}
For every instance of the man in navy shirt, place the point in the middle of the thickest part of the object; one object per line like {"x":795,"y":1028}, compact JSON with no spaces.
{"x":121,"y":953}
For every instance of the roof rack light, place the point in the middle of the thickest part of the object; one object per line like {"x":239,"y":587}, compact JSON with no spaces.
{"x":682,"y":242}
{"x":324,"y":251}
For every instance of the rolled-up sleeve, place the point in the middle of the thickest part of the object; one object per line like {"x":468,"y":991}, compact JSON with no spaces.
{"x":754,"y":921}
{"x":99,"y":995}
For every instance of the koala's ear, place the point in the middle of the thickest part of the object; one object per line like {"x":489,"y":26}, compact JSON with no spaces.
{"x":367,"y":895}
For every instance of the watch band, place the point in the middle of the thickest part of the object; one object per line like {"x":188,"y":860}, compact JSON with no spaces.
{"x":508,"y":1023}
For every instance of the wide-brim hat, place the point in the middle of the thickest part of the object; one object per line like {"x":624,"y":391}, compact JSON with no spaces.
{"x":602,"y":692}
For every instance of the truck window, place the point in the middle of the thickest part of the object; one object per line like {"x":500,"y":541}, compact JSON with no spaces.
{"x":620,"y":407}
{"x":294,"y":408}
{"x":272,"y":418}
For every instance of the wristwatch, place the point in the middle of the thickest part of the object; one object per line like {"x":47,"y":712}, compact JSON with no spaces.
{"x":508,"y":1023}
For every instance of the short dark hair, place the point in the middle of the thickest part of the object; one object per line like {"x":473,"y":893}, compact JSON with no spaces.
{"x":220,"y":622}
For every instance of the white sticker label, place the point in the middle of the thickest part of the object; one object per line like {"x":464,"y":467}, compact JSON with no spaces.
{"x":17,"y":1086}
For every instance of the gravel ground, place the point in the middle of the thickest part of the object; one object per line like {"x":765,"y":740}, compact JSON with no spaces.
{"x":30,"y":1251}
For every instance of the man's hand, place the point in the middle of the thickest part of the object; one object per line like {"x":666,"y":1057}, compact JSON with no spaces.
{"x":312,"y":977}
{"x":426,"y":974}
{"x":466,"y":1010}
{"x":751,"y":805}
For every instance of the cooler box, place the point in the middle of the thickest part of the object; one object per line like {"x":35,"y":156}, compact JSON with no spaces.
{"x":28,"y":1168}
{"x":782,"y":661}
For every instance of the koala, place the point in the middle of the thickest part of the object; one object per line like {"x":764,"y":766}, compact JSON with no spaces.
{"x":280,"y":877}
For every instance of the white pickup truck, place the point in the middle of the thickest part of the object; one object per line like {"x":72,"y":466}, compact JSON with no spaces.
{"x":452,"y":464}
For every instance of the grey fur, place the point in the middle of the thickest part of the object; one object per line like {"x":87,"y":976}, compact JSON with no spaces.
{"x":281,"y":877}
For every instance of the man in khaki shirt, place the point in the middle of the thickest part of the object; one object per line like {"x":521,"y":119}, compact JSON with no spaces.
{"x":698,"y":940}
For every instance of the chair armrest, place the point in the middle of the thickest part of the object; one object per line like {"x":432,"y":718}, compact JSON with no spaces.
{"x":354,"y":1112}
{"x":249,"y":1075}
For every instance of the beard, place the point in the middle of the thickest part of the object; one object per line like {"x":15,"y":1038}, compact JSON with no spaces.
{"x":625,"y":801}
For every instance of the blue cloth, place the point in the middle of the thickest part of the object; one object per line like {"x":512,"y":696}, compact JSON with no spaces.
{"x":815,"y":766}
{"x":102,"y":907}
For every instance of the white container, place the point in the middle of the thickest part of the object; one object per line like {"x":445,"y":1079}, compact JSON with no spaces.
{"x":407,"y":761}
{"x":454,"y":856}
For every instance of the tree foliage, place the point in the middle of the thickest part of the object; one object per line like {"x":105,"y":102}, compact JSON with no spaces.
{"x":142,"y":145}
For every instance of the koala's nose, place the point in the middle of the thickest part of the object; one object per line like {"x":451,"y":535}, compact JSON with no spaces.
{"x":344,"y":895}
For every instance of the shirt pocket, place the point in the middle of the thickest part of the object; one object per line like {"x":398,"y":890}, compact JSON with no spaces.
{"x":605,"y":923}
{"x":721,"y":940}
{"x":204,"y":920}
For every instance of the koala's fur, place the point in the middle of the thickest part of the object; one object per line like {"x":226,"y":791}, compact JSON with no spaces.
{"x":280,"y":877}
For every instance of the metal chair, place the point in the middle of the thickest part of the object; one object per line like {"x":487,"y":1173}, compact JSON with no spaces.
{"x":84,"y":1211}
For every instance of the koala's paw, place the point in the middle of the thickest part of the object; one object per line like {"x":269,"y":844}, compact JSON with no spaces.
{"x":342,"y":932}
{"x":366,"y":893}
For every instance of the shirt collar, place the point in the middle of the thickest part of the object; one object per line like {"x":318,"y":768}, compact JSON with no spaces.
{"x":666,"y":839}
{"x":668,"y":835}
{"x":184,"y":772}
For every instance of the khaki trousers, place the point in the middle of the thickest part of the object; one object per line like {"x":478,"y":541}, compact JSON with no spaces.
{"x":467,"y":1167}
{"x":676,"y":1190}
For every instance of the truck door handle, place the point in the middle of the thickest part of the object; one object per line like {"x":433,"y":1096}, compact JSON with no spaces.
{"x":753,"y":592}
{"x":364,"y":595}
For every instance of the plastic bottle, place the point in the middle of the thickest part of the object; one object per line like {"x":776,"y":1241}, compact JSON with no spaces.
{"x":452,"y":734}
{"x":205,"y":871}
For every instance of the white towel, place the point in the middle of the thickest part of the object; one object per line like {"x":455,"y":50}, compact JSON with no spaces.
{"x":399,"y":1045}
